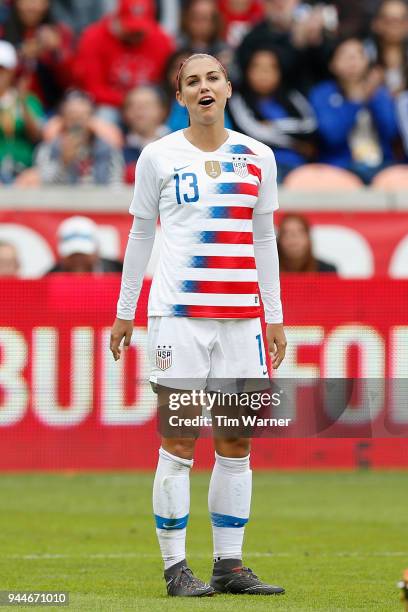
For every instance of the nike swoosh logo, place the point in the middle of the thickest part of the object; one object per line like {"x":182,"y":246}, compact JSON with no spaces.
{"x":264,"y":372}
{"x":182,"y":168}
{"x":172,"y":526}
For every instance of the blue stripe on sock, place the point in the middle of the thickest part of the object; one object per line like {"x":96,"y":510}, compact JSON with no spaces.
{"x":225,"y":520}
{"x":171,"y":523}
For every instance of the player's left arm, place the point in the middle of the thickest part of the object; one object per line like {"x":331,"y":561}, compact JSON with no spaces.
{"x":275,"y":336}
{"x":267,"y":261}
{"x":267,"y":264}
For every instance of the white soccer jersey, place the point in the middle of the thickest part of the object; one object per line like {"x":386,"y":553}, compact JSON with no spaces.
{"x":205,"y":201}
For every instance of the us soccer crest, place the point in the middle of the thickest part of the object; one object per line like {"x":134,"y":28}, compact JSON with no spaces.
{"x":240,"y":166}
{"x":164,"y":357}
{"x":213,"y":168}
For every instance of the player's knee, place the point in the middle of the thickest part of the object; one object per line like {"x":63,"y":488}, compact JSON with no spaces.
{"x":180,"y":447}
{"x":233,"y":447}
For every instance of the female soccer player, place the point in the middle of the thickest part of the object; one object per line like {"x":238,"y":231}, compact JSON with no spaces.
{"x":215,"y":191}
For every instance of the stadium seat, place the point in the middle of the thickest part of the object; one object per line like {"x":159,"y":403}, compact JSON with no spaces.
{"x":392,"y":179}
{"x":321,"y":177}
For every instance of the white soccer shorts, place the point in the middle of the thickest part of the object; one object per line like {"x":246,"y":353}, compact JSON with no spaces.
{"x":192,"y":353}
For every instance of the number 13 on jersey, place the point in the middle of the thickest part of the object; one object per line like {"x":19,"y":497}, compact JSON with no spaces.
{"x":186,"y":188}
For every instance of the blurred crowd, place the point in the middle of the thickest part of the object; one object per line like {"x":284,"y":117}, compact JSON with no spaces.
{"x":86,"y":84}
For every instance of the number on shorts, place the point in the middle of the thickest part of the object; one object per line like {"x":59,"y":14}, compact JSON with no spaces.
{"x":261,"y":358}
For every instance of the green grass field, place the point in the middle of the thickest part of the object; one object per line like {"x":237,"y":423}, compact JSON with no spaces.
{"x":336,"y":541}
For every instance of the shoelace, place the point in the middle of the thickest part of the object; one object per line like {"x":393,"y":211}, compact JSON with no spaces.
{"x":246,"y":571}
{"x":192,"y":580}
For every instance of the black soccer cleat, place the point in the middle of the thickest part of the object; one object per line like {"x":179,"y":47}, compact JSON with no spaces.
{"x":240,"y":581}
{"x":181,"y":582}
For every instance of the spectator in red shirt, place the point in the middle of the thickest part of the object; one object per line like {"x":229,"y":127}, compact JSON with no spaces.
{"x":239,"y":16}
{"x":45,"y":49}
{"x":121,"y":51}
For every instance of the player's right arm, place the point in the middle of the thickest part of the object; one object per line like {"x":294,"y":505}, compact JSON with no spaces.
{"x":145,"y":208}
{"x":138,"y":251}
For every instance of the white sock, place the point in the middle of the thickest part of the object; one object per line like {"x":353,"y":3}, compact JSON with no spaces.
{"x":229,"y":502}
{"x":171,"y":505}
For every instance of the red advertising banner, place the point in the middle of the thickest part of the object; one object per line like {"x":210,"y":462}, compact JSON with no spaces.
{"x":65,"y":403}
{"x":362,"y":245}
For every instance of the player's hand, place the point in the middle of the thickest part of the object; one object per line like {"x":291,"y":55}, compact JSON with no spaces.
{"x":120,"y":329}
{"x":276,"y":339}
